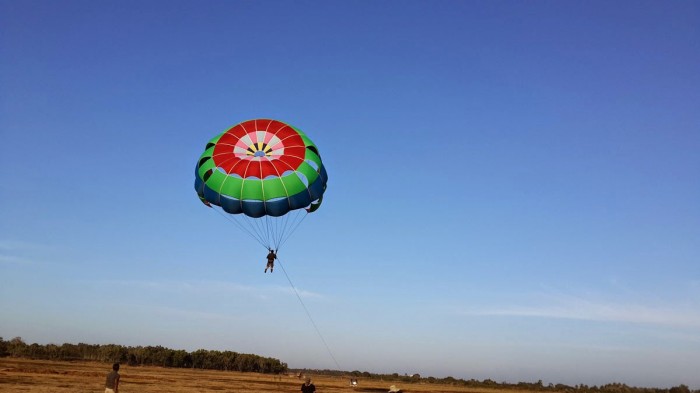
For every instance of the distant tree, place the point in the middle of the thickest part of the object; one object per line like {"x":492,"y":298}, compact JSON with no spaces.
{"x":131,"y":359}
{"x":52,"y":351}
{"x":88,"y":351}
{"x":35,"y":351}
{"x":679,"y":389}
{"x":244,"y":362}
{"x":159,"y":356}
{"x":3,"y":348}
{"x":112,"y":353}
{"x":16,"y":347}
{"x":199,"y":358}
{"x":182,"y":359}
{"x":70,"y":352}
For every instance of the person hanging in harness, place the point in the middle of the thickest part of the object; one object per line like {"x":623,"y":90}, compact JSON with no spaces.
{"x":271,"y":256}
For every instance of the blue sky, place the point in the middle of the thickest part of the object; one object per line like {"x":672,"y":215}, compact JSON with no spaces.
{"x":513,"y":187}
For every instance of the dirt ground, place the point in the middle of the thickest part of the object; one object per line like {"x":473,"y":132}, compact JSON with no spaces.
{"x":42,"y":376}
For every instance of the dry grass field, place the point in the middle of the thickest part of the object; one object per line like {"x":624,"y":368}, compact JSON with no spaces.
{"x":42,"y":376}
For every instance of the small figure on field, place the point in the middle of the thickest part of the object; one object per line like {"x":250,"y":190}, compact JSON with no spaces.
{"x":271,"y":256}
{"x":308,"y":387}
{"x":112,"y":384}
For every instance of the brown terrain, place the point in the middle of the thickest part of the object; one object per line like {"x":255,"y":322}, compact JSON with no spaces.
{"x":43,"y":376}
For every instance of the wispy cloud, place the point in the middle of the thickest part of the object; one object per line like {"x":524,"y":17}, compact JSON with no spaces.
{"x":215,"y":288}
{"x":14,"y":260}
{"x":189,"y":314}
{"x":565,"y":306}
{"x":12,"y":252}
{"x":17,"y":245}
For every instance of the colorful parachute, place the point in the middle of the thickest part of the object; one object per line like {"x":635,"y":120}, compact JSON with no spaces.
{"x":266,"y":174}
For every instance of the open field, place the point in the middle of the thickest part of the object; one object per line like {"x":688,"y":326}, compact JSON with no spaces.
{"x":43,"y":376}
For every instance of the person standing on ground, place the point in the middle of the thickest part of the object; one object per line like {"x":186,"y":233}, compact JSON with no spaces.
{"x":112,"y":384}
{"x":308,"y":387}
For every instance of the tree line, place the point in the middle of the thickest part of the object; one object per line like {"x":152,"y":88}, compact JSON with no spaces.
{"x":143,"y":356}
{"x":488,"y":383}
{"x":233,"y":361}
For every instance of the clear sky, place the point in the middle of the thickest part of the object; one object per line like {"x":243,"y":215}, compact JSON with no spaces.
{"x":513,"y":193}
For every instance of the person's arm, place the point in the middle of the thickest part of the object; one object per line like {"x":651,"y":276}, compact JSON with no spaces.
{"x":116,"y":384}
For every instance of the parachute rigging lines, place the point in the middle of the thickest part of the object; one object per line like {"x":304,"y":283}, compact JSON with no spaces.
{"x":270,"y":232}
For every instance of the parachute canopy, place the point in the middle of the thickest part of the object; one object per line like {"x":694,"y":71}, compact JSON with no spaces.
{"x":261,"y":168}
